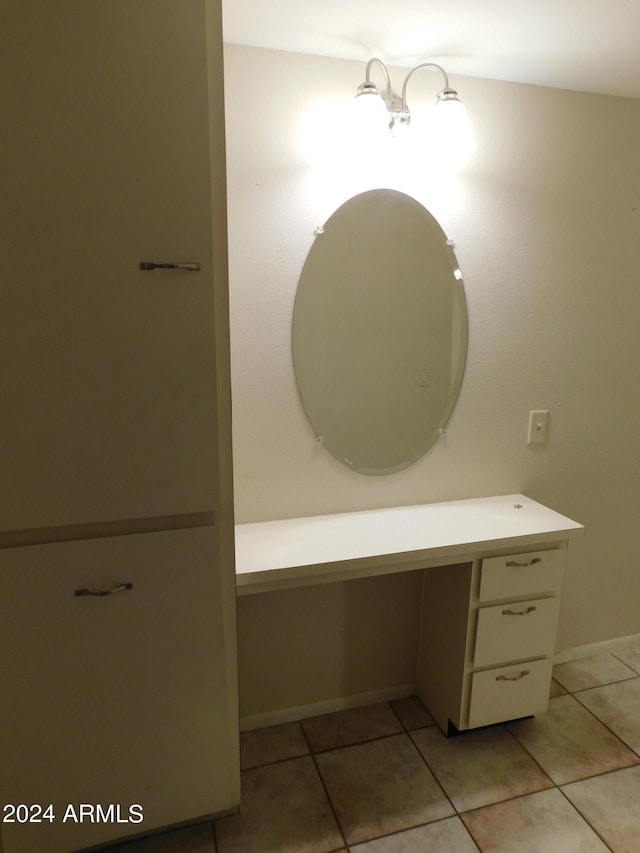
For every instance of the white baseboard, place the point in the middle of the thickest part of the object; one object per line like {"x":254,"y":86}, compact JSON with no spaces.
{"x":621,"y":644}
{"x":341,"y":703}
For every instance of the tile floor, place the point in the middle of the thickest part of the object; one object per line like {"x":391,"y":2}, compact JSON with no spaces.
{"x":383,"y":779}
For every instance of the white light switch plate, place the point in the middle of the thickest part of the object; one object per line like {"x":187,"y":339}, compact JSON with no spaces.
{"x":538,"y":426}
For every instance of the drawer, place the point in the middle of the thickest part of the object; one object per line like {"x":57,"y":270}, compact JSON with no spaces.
{"x":509,"y":692}
{"x":515,"y":631}
{"x":522,"y":574}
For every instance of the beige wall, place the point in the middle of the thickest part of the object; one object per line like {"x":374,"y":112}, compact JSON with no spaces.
{"x":546,"y":220}
{"x":299,"y":648}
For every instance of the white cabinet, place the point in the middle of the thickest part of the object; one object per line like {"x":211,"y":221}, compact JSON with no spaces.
{"x":115,"y":454}
{"x":114,"y":699}
{"x":492,"y":574}
{"x":506,"y":610}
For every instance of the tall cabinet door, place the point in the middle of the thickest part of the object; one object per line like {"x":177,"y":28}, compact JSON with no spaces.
{"x":111,"y":142}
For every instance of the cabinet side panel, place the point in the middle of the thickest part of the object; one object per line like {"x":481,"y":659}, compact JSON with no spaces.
{"x":225,"y":520}
{"x":443,"y":641}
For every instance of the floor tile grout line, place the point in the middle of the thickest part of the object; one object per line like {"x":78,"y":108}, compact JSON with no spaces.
{"x":470,"y":834}
{"x":460,"y":812}
{"x":534,"y":793}
{"x":522,"y":796}
{"x":596,"y":686}
{"x":215,"y":837}
{"x":274,"y":762}
{"x":358,"y":743}
{"x":432,"y":771}
{"x":531,"y":756}
{"x":597,"y":776}
{"x":324,"y":787}
{"x":396,"y":715}
{"x":606,"y":725}
{"x":602,"y":723}
{"x":330,"y":802}
{"x":605,"y":684}
{"x":617,"y":656}
{"x":583,"y":816}
{"x":420,"y":826}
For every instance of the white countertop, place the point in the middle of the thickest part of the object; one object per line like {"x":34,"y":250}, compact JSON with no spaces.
{"x":317,"y":548}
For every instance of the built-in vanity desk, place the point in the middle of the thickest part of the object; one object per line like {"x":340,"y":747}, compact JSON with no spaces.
{"x":493,"y":570}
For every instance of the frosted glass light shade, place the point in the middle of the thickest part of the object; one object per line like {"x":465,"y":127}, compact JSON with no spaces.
{"x":452,"y":129}
{"x":370,"y":111}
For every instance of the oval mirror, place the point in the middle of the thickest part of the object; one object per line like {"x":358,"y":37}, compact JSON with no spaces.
{"x":379,"y":332}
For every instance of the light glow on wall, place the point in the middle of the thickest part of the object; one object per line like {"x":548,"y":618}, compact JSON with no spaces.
{"x":343,"y":153}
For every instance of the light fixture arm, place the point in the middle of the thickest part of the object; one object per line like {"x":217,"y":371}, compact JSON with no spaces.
{"x":391,"y":100}
{"x":446,"y":88}
{"x":367,"y":75}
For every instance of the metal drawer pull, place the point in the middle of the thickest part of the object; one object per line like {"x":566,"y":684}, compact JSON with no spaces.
{"x":149,"y":265}
{"x":121,"y":588}
{"x":523,"y":674}
{"x":524,"y":565}
{"x":518,"y":612}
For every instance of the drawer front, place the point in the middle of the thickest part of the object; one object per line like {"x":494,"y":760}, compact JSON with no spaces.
{"x":509,"y":692}
{"x":524,"y":629}
{"x":522,"y":574}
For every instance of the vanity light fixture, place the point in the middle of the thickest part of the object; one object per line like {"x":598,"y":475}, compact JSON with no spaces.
{"x":394,"y":108}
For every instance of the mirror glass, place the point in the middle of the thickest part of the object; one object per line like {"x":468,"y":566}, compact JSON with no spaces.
{"x":379,"y":332}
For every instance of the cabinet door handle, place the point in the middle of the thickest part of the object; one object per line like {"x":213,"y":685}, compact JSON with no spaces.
{"x":522,"y":674}
{"x":518,"y":612}
{"x":120,"y":588}
{"x":150,"y":265}
{"x":525,"y":565}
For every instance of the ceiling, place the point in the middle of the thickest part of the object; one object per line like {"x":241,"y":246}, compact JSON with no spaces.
{"x":585,"y":45}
